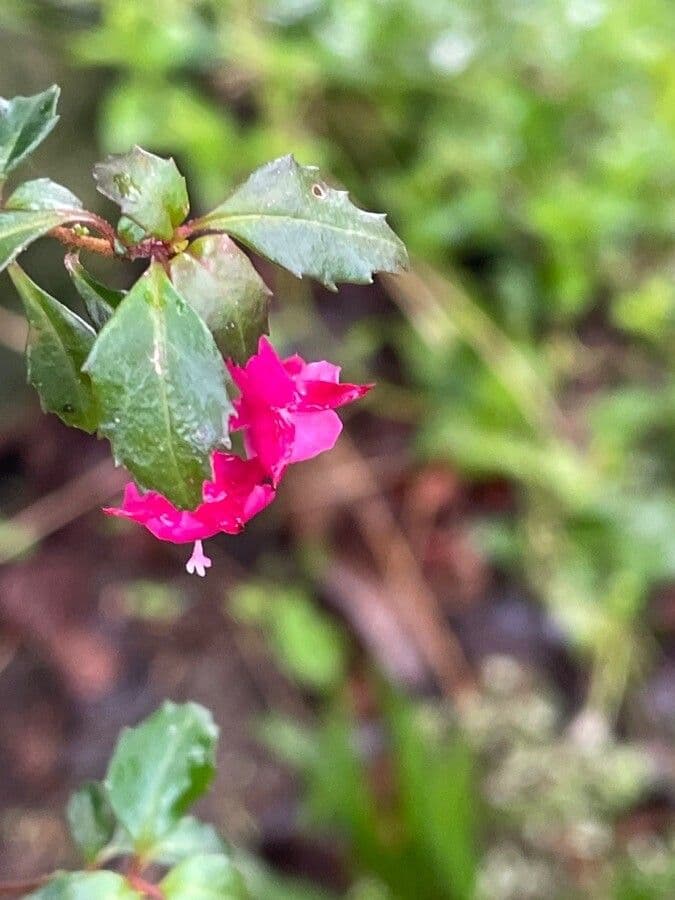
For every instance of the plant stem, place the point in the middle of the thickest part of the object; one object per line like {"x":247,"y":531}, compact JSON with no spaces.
{"x":145,"y":887}
{"x":70,"y":238}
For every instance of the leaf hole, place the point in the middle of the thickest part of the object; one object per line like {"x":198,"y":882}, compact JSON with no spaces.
{"x":318,"y":191}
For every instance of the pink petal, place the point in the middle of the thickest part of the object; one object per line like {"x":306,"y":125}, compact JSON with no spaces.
{"x":321,"y":371}
{"x":294,"y":365}
{"x":236,"y":493}
{"x":326,"y":395}
{"x":315,"y":432}
{"x":270,"y":437}
{"x":263,"y":380}
{"x":161,"y":517}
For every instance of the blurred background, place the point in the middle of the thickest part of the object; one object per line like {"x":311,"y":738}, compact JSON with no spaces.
{"x":443,"y":662}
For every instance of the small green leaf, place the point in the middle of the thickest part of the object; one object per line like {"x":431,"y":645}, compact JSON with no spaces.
{"x":218,"y":280}
{"x":100,"y":301}
{"x":204,"y":877}
{"x":159,"y":768}
{"x":129,"y":231}
{"x":58,"y":344}
{"x":160,"y":384}
{"x":286,"y":213}
{"x":86,"y":886}
{"x":43,"y":193}
{"x":19,"y":228}
{"x":91,"y":819}
{"x":148,"y":189}
{"x":24,"y":123}
{"x":188,"y":837}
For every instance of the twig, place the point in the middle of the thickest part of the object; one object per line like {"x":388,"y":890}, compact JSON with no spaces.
{"x":102,"y":246}
{"x":440,"y":311}
{"x":62,"y":506}
{"x":10,"y":888}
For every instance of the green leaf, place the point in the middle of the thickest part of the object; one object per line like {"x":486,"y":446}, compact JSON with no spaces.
{"x":86,"y":886}
{"x":58,"y":345}
{"x":160,"y":384}
{"x":148,"y":189}
{"x":99,"y":301}
{"x":287,"y":214}
{"x":24,"y":123}
{"x":19,"y":228}
{"x":43,"y":193}
{"x":218,"y":280}
{"x":204,"y":877}
{"x":91,"y":819}
{"x":159,"y":768}
{"x":130,"y":232}
{"x":188,"y":837}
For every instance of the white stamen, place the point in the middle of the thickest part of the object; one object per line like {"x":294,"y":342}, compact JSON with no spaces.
{"x":198,"y":562}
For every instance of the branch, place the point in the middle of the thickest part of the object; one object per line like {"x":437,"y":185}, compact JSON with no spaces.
{"x":102,"y":246}
{"x":57,"y":509}
{"x":9,"y":888}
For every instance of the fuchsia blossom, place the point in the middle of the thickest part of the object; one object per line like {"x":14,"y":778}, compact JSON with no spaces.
{"x":237,"y":493}
{"x":286,"y":411}
{"x":286,"y":407}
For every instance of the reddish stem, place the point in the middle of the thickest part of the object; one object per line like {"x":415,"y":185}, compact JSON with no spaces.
{"x":144,"y":887}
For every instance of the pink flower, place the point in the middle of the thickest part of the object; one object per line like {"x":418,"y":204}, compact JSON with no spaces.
{"x":237,"y":493}
{"x":286,"y":407}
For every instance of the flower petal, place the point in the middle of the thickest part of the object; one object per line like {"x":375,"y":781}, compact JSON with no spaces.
{"x":315,"y":432}
{"x":327,"y":395}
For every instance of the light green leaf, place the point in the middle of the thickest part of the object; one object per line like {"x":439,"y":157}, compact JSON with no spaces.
{"x":19,"y":228}
{"x":58,"y":345}
{"x":100,"y":301}
{"x":159,"y":768}
{"x":188,"y":837}
{"x":130,"y":232}
{"x":148,"y":189}
{"x":160,"y":384}
{"x":24,"y":123}
{"x":86,"y":886}
{"x":287,"y":214}
{"x":91,"y":819}
{"x":307,"y":643}
{"x":204,"y":877}
{"x":218,"y":280}
{"x":43,"y":193}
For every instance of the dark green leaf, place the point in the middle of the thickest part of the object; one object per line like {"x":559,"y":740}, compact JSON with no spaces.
{"x":204,"y":877}
{"x":286,"y":213}
{"x":218,"y":280}
{"x":86,"y":886}
{"x":148,"y":189}
{"x":58,"y":344}
{"x":43,"y":193}
{"x":188,"y":837}
{"x":100,"y":301}
{"x":19,"y":228}
{"x":91,"y":819}
{"x":24,"y":123}
{"x":159,"y":768}
{"x":160,"y":384}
